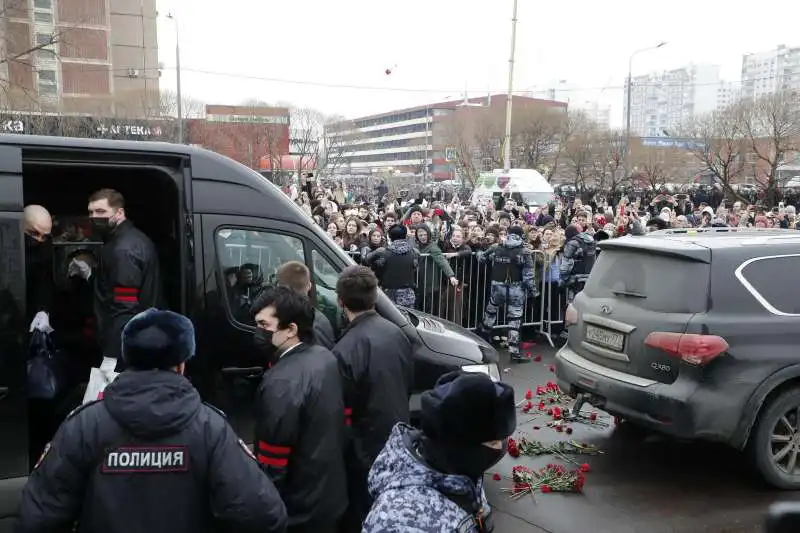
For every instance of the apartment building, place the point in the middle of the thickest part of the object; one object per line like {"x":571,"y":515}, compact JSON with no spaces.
{"x":772,"y":71}
{"x":728,"y":93}
{"x":96,"y":57}
{"x":416,"y":140}
{"x":662,"y":102}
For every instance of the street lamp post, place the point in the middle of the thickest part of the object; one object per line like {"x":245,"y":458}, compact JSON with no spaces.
{"x":178,"y":95}
{"x":509,"y":101}
{"x":628,"y":110}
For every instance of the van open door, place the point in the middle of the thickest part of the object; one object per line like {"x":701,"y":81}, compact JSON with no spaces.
{"x":13,"y":402}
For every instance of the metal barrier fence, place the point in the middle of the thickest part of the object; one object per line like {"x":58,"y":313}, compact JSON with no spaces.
{"x":466,"y":304}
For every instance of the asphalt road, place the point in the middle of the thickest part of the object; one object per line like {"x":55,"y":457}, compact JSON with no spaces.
{"x":642,"y":482}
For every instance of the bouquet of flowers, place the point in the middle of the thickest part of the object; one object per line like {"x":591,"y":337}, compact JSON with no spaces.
{"x":551,"y":478}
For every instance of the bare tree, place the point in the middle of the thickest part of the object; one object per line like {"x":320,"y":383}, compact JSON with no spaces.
{"x":460,"y":140}
{"x":720,"y":145}
{"x":338,"y":137}
{"x":537,"y":129}
{"x":579,"y":145}
{"x":772,"y":126}
{"x":305,"y":133}
{"x":610,"y":161}
{"x":19,"y":53}
{"x":652,"y":171}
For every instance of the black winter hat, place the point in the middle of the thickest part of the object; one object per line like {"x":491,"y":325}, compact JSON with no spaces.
{"x":468,"y":408}
{"x":156,"y":339}
{"x":398,"y":232}
{"x":516,"y":230}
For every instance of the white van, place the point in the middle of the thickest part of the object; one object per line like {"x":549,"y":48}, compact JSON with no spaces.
{"x":525,"y":185}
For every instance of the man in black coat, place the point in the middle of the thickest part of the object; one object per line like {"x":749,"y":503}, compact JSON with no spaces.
{"x":299,"y":436}
{"x":375,"y":361}
{"x":128,"y":280}
{"x":297,"y":277}
{"x":150,"y":457}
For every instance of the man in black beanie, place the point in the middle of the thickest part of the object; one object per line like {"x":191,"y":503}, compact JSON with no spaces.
{"x":397,"y":265}
{"x":432,"y":480}
{"x":150,"y":456}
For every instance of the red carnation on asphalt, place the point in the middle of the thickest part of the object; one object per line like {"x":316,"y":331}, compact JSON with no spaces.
{"x":593,"y":416}
{"x":552,"y":368}
{"x":537,"y":358}
{"x":559,"y":428}
{"x":539,"y":391}
{"x":496,"y":476}
{"x":552,"y":400}
{"x":541,"y":406}
{"x":569,"y":431}
{"x":585,"y":468}
{"x":513,"y":450}
{"x":545,"y":488}
{"x":527,"y":407}
{"x":528,"y":394}
{"x":549,"y":412}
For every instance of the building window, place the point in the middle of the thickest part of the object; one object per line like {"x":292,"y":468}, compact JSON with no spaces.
{"x":43,"y":4}
{"x":43,"y":16}
{"x":48,"y":76}
{"x":47,"y":89}
{"x":43,"y":39}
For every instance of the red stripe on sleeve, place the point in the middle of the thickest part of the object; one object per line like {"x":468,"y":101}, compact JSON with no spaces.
{"x":272,"y":461}
{"x":126,"y":290}
{"x":127,"y":299}
{"x":270,"y":448}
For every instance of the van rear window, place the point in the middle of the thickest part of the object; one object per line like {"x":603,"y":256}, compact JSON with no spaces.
{"x":652,"y":282}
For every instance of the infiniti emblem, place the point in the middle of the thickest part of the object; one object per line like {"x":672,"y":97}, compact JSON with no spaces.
{"x":606,"y":309}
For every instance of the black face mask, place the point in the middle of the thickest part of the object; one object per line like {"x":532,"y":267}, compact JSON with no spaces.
{"x":38,"y":251}
{"x":471,"y":461}
{"x":262,"y":339}
{"x":101,"y":226}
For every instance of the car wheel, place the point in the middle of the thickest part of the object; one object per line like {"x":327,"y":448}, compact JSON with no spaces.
{"x":775,"y":441}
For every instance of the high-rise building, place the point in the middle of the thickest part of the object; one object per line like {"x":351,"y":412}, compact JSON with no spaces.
{"x":728,"y":93}
{"x":769,"y":72}
{"x":598,"y":113}
{"x":80,"y":56}
{"x":663,"y":102}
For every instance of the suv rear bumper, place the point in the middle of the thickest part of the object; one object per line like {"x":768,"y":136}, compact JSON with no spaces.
{"x":665,"y":408}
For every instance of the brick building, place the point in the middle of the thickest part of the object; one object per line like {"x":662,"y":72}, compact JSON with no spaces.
{"x":80,"y":56}
{"x":247,"y":134}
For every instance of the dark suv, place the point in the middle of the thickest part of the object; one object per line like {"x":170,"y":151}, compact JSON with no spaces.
{"x":694,"y":333}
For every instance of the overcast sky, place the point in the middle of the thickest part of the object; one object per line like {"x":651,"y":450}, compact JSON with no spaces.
{"x":332,"y":54}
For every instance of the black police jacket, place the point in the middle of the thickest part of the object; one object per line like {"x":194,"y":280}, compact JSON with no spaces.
{"x":299,"y":435}
{"x":377,"y":367}
{"x":128,"y":282}
{"x":149,"y":458}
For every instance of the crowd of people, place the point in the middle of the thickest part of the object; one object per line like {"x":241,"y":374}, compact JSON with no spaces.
{"x":445,"y":237}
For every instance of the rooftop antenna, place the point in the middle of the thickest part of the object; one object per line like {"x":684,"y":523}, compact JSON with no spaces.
{"x":466,"y":98}
{"x":488,"y":96}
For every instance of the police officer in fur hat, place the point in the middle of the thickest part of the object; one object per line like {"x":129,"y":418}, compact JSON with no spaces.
{"x":432,"y":480}
{"x":150,"y":456}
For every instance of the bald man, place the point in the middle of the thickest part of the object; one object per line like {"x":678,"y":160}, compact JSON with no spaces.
{"x":38,"y":223}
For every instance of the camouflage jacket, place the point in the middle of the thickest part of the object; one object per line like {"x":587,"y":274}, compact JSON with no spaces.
{"x":410,"y":497}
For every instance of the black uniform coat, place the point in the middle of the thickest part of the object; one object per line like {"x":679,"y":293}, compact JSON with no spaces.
{"x":128,"y":282}
{"x":149,"y":458}
{"x":300,"y":435}
{"x":375,"y":360}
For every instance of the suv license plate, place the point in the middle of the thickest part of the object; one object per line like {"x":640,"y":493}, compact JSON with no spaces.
{"x":604,"y":337}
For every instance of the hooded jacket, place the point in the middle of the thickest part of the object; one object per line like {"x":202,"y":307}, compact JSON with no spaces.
{"x":149,"y":458}
{"x":409,"y":495}
{"x":396,"y":265}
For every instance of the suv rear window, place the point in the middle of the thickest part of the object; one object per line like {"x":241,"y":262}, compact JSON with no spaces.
{"x":652,"y":282}
{"x":765,"y":276}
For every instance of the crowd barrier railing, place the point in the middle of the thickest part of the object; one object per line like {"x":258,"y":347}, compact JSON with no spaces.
{"x":465,"y":304}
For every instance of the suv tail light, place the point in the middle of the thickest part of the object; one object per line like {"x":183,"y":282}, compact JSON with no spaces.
{"x":570,"y":316}
{"x":698,"y":350}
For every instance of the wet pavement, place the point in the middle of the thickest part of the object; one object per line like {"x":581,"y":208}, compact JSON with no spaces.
{"x":641,"y":483}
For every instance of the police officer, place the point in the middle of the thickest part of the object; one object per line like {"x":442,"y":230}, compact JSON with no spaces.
{"x":150,"y":456}
{"x":300,"y":413}
{"x":511,"y":277}
{"x":375,"y":361}
{"x":128,"y":280}
{"x":397,"y":264}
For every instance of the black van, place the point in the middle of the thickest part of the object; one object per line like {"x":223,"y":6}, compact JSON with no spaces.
{"x":207,"y":215}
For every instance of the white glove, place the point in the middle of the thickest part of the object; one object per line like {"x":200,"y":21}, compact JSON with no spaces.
{"x":80,"y":268}
{"x":41,"y":322}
